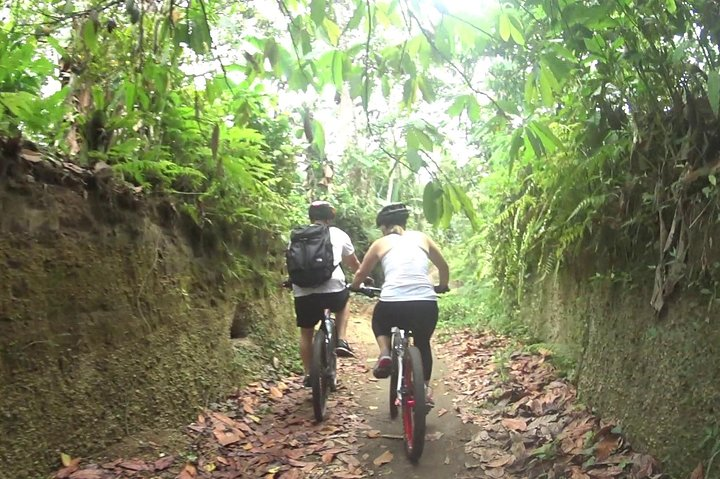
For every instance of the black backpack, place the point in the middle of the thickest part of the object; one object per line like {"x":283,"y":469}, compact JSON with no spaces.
{"x":310,"y":260}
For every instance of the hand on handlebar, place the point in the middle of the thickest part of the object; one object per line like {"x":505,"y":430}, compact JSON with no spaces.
{"x":366,"y":290}
{"x":442,"y":289}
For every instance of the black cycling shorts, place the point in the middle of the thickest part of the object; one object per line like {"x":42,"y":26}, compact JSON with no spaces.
{"x":419,"y":316}
{"x":310,"y":309}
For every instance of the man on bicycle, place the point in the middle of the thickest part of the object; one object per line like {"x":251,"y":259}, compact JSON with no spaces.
{"x":408,"y":299}
{"x":311,"y":302}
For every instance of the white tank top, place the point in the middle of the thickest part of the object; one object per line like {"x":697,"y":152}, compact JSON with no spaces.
{"x":406,"y":268}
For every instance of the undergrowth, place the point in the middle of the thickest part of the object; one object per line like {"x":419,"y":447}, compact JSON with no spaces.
{"x":481,"y":307}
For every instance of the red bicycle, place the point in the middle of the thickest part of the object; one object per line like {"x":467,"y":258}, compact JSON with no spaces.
{"x":407,"y":387}
{"x":407,"y":392}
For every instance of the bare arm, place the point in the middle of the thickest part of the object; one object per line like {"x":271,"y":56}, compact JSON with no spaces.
{"x":351,"y":262}
{"x":369,"y":261}
{"x":438,"y":260}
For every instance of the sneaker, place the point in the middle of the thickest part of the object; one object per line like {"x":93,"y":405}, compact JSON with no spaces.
{"x":382,"y":368}
{"x":306,"y":381}
{"x":343,"y":349}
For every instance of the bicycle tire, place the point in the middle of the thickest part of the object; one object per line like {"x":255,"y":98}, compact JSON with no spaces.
{"x":331,"y":355}
{"x":393,"y":387}
{"x":413,"y":407}
{"x":318,"y":378}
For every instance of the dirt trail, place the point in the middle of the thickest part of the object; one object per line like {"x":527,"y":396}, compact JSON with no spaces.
{"x":444,"y":455}
{"x":508,"y":419}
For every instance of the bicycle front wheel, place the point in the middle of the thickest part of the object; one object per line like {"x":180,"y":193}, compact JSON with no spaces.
{"x":413,"y":404}
{"x":318,"y":376}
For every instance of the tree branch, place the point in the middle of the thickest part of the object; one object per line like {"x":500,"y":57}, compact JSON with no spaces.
{"x":470,"y":24}
{"x":216,"y":57}
{"x":284,"y":9}
{"x":449,"y":61}
{"x":366,"y":103}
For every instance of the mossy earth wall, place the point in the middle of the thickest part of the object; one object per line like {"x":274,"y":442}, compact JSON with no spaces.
{"x":658,"y":375}
{"x":113,"y":318}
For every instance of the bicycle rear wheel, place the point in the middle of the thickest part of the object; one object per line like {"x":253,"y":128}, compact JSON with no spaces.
{"x":318,"y":376}
{"x":413,"y":404}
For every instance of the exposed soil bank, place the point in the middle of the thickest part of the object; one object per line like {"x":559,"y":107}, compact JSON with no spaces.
{"x":115,"y":314}
{"x":659,"y":376}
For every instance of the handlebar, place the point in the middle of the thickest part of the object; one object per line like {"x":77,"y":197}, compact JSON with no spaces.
{"x":368,"y":291}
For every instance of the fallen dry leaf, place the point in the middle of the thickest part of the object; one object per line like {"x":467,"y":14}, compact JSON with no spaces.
{"x":327,"y":457}
{"x":383,"y":458}
{"x":605,"y":447}
{"x":65,"y":472}
{"x":291,"y":474}
{"x":442,"y":411}
{"x":515,"y":424}
{"x":33,"y":157}
{"x":88,"y":474}
{"x":188,"y":472}
{"x":227,"y":437}
{"x":501,"y":461}
{"x":373,"y":433}
{"x":495,"y":473}
{"x":275,"y":392}
{"x":163,"y":463}
{"x":133,"y":465}
{"x":698,"y":472}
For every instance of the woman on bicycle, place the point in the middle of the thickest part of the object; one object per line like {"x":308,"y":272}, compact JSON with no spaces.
{"x":408,"y":298}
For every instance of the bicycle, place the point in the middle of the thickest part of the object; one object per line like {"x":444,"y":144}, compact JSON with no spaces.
{"x":323,"y":367}
{"x":407,"y":387}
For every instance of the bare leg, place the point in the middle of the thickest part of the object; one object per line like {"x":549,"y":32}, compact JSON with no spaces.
{"x":306,"y":336}
{"x":384,"y":344}
{"x":341,"y":321}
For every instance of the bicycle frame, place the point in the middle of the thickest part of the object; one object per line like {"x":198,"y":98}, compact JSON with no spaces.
{"x":398,"y":345}
{"x":328,"y":324}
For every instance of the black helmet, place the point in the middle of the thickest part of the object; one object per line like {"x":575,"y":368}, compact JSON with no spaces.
{"x":392,"y":214}
{"x":321,"y":210}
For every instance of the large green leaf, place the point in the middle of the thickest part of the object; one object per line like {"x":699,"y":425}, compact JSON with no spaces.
{"x":332,"y":30}
{"x":516,"y":142}
{"x":317,"y":11}
{"x":467,"y":207}
{"x":548,"y":139}
{"x":504,"y":26}
{"x":89,"y":34}
{"x":360,"y":10}
{"x":337,"y":69}
{"x":516,"y":30}
{"x":531,"y":89}
{"x":409,"y":92}
{"x":432,"y":205}
{"x":546,"y":81}
{"x":458,"y":106}
{"x":318,"y":137}
{"x":414,"y":160}
{"x":446,"y":206}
